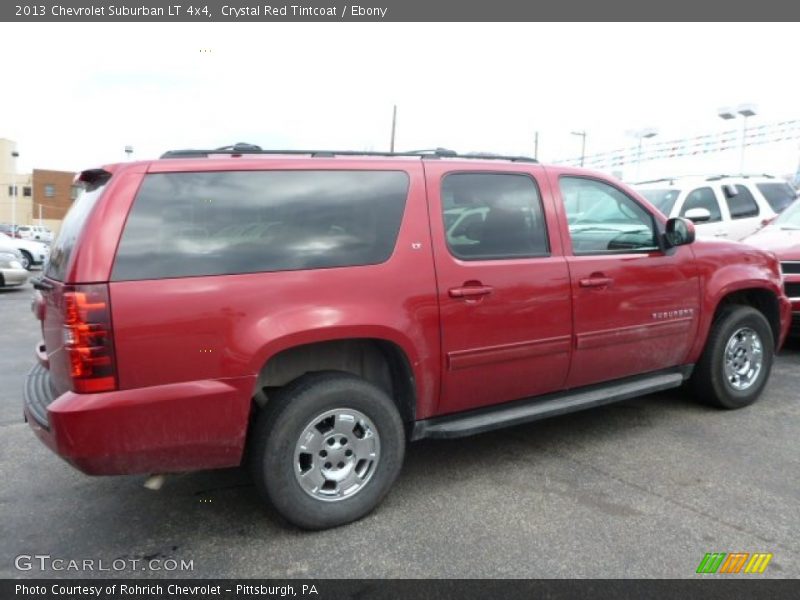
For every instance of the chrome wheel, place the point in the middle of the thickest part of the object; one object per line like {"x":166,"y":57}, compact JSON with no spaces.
{"x":744,"y":358}
{"x":337,"y":454}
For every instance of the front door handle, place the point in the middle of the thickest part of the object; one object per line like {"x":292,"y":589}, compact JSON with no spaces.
{"x":721,"y":234}
{"x":596,"y":282}
{"x":470,"y":291}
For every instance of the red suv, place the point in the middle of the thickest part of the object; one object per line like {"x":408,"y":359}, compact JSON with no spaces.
{"x":313,"y":311}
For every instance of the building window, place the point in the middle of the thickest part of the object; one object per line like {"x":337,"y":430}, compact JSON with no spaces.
{"x":11,"y":190}
{"x":49,"y":190}
{"x":26,"y":191}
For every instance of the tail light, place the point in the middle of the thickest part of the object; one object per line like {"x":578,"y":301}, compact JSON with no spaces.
{"x":88,"y":340}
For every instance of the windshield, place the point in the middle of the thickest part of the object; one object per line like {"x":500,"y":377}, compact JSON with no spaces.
{"x":663,"y":200}
{"x":779,"y":195}
{"x":789,"y":218}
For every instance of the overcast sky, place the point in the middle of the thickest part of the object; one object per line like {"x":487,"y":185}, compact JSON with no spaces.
{"x":81,"y":92}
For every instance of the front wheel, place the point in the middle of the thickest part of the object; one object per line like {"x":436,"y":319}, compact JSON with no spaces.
{"x":737,"y":359}
{"x":27,"y":260}
{"x":326,"y":449}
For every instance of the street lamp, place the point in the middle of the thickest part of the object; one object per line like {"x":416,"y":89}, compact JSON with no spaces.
{"x":128,"y":152}
{"x":582,"y":134}
{"x":746,"y":110}
{"x":14,"y":155}
{"x":642,"y":134}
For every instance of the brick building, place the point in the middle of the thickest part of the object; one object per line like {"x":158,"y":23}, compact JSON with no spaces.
{"x":52,"y":194}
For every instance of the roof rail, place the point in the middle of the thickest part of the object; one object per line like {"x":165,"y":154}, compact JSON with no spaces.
{"x":434,"y":153}
{"x":670,"y":179}
{"x":739,"y":176}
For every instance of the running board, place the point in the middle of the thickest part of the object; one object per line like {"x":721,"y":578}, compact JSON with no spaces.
{"x":542,"y":407}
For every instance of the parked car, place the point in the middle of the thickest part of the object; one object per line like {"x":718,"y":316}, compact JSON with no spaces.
{"x":35,"y":232}
{"x":782,"y":237}
{"x":9,"y":230}
{"x":315,"y":311}
{"x":33,"y":253}
{"x":721,"y":206}
{"x":12,"y":273}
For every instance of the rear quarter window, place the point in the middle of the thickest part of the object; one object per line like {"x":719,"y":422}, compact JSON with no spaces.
{"x":61,"y":249}
{"x":779,"y":195}
{"x":220,"y":223}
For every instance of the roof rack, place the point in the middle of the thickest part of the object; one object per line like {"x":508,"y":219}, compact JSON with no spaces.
{"x":670,"y":179}
{"x":434,"y":153}
{"x":739,"y":176}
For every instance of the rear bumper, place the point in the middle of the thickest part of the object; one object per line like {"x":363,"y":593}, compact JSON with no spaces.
{"x":169,"y":428}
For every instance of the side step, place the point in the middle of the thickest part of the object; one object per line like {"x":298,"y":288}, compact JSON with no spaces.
{"x":542,"y":407}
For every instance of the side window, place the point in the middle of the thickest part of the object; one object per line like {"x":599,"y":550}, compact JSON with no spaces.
{"x":603,"y":219}
{"x":218,"y":223}
{"x":742,"y":205}
{"x":493,"y":216}
{"x":703,"y":198}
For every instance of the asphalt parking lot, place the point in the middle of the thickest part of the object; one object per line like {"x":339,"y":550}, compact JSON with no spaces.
{"x":639,"y":489}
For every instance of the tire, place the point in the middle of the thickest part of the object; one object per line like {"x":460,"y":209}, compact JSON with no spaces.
{"x":27,"y":260}
{"x":726,"y":375}
{"x":341,"y":487}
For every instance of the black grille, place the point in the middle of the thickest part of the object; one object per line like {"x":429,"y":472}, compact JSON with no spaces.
{"x":790,"y":267}
{"x":792,"y":289}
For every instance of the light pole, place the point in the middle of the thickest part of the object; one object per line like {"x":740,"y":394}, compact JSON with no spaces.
{"x":14,"y":156}
{"x":582,"y":134}
{"x":642,"y":134}
{"x":128,"y":152}
{"x":394,"y":128}
{"x":746,"y":110}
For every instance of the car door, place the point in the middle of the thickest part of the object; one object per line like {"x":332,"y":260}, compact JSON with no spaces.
{"x":745,"y":214}
{"x":503,"y":284}
{"x":635,"y":305}
{"x":705,"y":198}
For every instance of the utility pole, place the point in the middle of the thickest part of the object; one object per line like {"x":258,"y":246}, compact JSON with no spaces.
{"x":394,"y":126}
{"x":582,"y":134}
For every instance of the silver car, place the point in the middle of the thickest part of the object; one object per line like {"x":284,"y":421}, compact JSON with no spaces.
{"x":12,"y":273}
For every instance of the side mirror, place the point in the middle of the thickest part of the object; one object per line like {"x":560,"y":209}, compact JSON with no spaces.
{"x":679,"y":232}
{"x":698,"y":215}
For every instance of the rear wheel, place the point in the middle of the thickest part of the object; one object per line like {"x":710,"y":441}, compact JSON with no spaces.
{"x":326,"y":449}
{"x":27,"y":260}
{"x":737,"y":359}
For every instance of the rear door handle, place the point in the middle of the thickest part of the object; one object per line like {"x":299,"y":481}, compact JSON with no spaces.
{"x":470,"y":291}
{"x":596,"y":281}
{"x":721,"y":234}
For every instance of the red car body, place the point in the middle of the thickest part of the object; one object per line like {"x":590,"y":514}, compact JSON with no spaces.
{"x":189,"y":353}
{"x":784,"y":242}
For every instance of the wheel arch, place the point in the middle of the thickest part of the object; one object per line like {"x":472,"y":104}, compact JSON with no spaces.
{"x":756,"y":294}
{"x":383,"y":362}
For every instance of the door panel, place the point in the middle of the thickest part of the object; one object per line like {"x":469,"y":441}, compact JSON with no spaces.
{"x":643,"y":320}
{"x":503,"y":286}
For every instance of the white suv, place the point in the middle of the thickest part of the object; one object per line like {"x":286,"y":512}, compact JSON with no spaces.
{"x":721,"y":206}
{"x":35,"y":232}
